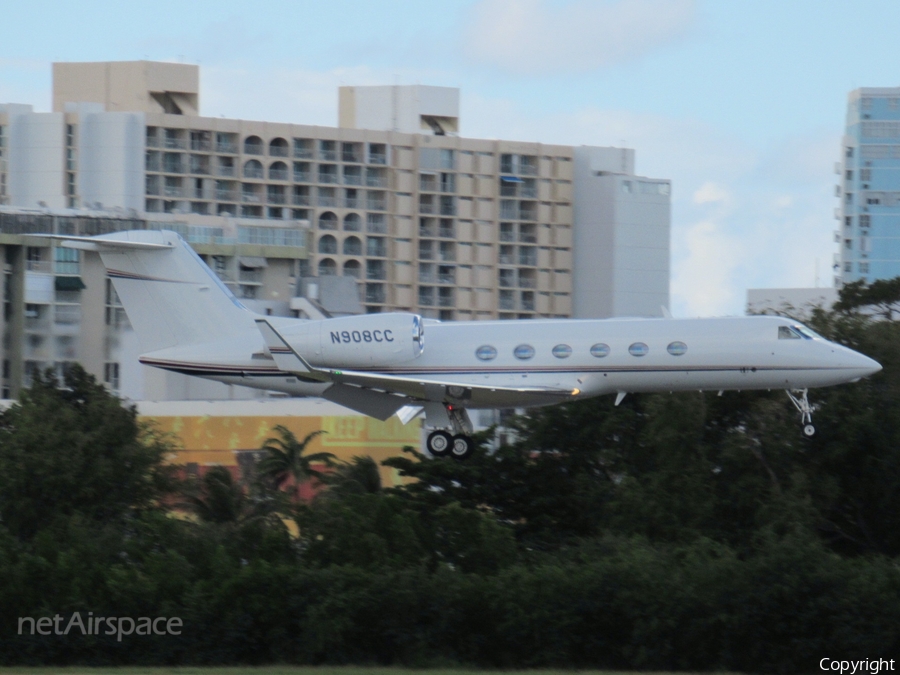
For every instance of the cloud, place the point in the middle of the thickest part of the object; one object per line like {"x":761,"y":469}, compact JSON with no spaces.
{"x":711,"y":193}
{"x":540,"y":37}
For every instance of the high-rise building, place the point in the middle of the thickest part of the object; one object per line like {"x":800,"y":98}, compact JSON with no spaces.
{"x":869,"y":188}
{"x":422,"y":219}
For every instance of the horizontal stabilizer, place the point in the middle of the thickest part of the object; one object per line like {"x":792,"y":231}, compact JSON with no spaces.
{"x":96,"y":244}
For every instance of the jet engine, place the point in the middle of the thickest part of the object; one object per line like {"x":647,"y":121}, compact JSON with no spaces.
{"x":359,"y":341}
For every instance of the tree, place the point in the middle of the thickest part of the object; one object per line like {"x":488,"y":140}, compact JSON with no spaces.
{"x":285,"y":460}
{"x":358,"y":476}
{"x":75,"y":450}
{"x":218,"y":498}
{"x":881,"y":294}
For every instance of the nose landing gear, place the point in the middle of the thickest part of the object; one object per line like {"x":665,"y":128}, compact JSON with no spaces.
{"x":805,"y":408}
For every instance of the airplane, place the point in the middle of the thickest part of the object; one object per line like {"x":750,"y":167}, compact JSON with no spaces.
{"x":188,"y":321}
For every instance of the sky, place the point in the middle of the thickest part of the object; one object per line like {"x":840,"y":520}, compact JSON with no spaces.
{"x":740,"y":103}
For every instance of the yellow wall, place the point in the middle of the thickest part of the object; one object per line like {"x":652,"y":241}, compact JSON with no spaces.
{"x":207,"y":440}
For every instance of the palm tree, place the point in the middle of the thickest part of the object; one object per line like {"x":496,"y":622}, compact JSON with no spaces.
{"x":285,"y":460}
{"x":218,"y":498}
{"x":359,"y":476}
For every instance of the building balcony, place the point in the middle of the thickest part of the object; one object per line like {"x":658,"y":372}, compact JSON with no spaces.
{"x":326,"y":201}
{"x":42,"y":266}
{"x":302,"y":152}
{"x":278,"y":174}
{"x":352,"y":179}
{"x":301,"y":200}
{"x":278,"y":151}
{"x":200,"y":145}
{"x":377,"y":181}
{"x":226,"y":195}
{"x":254,"y":149}
{"x":250,"y":198}
{"x":377,"y":158}
{"x":329,"y":178}
{"x":277,"y":199}
{"x":328,"y":155}
{"x":175,"y":144}
{"x":302,"y":177}
{"x":254,"y":276}
{"x":226,"y":148}
{"x":173,"y":191}
{"x":226,"y":171}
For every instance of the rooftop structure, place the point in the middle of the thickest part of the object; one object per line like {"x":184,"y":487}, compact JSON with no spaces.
{"x":869,"y":188}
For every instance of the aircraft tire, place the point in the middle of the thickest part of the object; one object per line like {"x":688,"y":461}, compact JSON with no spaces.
{"x":809,"y":431}
{"x":439,"y":443}
{"x":463,"y":447}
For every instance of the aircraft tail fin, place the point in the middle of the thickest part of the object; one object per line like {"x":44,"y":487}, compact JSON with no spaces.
{"x":170,"y":296}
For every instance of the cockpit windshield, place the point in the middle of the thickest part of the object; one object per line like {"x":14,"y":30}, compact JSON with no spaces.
{"x":808,"y":333}
{"x":797,"y":332}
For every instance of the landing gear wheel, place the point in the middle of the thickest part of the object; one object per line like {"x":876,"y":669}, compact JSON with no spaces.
{"x":439,"y":443}
{"x":805,"y":408}
{"x":463,"y":446}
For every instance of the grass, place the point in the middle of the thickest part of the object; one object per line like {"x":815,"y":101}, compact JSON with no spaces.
{"x":294,"y":670}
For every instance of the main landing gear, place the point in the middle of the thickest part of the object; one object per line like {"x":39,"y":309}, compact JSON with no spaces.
{"x":459,"y":444}
{"x":441,"y":443}
{"x":805,"y":408}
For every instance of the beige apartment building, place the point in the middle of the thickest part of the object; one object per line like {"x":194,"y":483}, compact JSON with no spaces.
{"x":422,"y":218}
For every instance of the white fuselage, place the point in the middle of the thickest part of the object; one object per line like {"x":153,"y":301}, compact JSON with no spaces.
{"x":584,"y":357}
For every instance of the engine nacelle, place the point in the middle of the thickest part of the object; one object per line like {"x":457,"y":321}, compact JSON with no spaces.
{"x":359,"y":341}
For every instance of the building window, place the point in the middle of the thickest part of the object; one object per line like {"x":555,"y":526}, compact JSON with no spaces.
{"x":111,"y":375}
{"x":863,"y":268}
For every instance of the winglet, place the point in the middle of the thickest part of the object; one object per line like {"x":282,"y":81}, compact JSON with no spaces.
{"x":285,"y":356}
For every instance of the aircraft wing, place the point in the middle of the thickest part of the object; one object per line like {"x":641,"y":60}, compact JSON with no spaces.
{"x":351,"y":383}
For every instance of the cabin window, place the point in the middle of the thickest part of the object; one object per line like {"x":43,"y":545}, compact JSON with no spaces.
{"x":523,"y":352}
{"x":676,"y":348}
{"x":486,"y":353}
{"x":600,"y":350}
{"x":638,"y":349}
{"x":562,"y":351}
{"x":788,"y":333}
